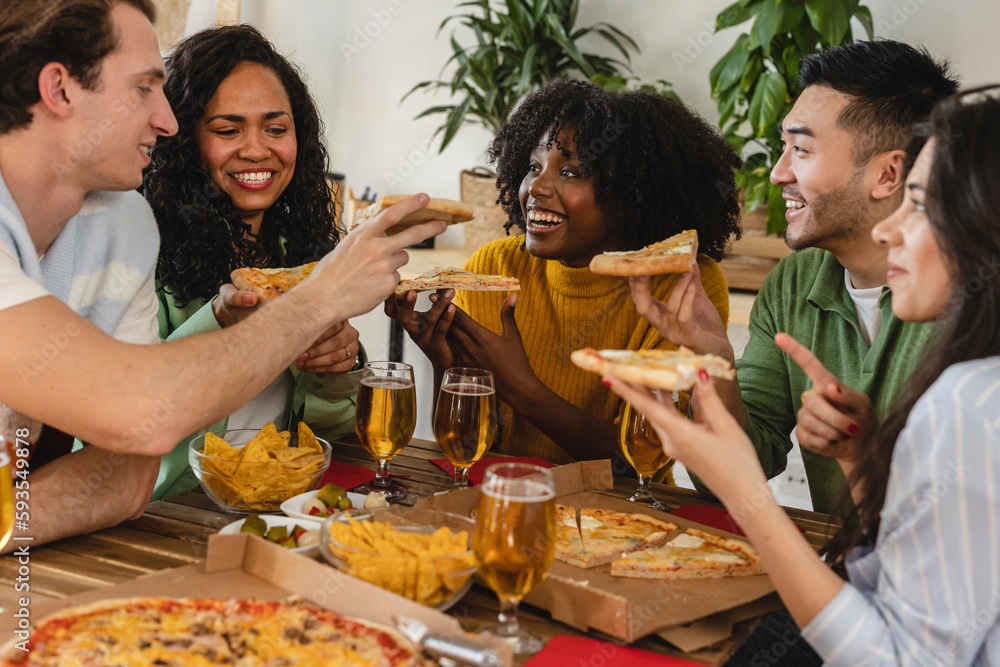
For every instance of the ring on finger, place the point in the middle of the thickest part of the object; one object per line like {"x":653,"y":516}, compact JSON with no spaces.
{"x":805,"y":394}
{"x":347,"y":352}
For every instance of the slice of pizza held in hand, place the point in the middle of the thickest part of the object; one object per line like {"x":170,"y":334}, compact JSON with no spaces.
{"x":444,"y":277}
{"x":660,"y":369}
{"x":676,"y":254}
{"x":269,"y":284}
{"x":448,"y":210}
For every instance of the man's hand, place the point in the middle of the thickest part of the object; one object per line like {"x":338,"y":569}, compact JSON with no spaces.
{"x":334,"y":352}
{"x":429,"y":330}
{"x":502,"y":353}
{"x":687,"y":318}
{"x":834,"y":419}
{"x":363,"y":269}
{"x":232,"y":305}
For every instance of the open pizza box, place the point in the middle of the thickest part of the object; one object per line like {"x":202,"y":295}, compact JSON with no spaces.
{"x":626,"y":608}
{"x":245,"y":566}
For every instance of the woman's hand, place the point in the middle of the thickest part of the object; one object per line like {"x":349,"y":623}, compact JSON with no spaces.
{"x":713,"y":446}
{"x":428,"y":330}
{"x":232,"y":306}
{"x":687,"y":318}
{"x":834,"y":419}
{"x":502,"y":353}
{"x":336,"y":351}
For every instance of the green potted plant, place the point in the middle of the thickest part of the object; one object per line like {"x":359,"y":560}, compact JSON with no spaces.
{"x":755,"y":84}
{"x":519,"y":46}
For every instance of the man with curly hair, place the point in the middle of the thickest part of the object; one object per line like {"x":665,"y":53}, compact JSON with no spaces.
{"x":82,"y":104}
{"x":582,"y":171}
{"x":841,"y":172}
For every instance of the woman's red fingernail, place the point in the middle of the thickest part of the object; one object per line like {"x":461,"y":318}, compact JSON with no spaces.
{"x":853,"y":429}
{"x":606,"y":383}
{"x":703,"y":374}
{"x":837,"y":387}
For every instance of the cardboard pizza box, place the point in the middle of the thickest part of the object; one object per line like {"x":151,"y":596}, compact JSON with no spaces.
{"x":245,"y":566}
{"x":624,"y":608}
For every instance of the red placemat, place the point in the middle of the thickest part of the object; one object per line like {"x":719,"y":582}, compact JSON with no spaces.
{"x":565,"y":651}
{"x":715,"y":517}
{"x":349,"y":475}
{"x":478,"y":468}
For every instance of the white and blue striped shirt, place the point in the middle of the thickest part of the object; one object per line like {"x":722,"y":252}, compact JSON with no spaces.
{"x":928,"y":592}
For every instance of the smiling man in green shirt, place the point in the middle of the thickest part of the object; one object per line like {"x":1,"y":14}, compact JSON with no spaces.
{"x":841,"y":172}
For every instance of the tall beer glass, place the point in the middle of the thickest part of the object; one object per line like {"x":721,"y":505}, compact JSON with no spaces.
{"x":465,"y":421}
{"x":514,"y":540}
{"x":385,"y":417}
{"x":642,"y":447}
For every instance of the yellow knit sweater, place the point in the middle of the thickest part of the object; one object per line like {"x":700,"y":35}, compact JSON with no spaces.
{"x":560,"y":309}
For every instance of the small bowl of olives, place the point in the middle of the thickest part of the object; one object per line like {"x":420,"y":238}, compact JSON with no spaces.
{"x":319,"y":504}
{"x":300,"y":535}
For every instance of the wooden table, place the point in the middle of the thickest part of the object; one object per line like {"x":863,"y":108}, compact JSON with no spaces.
{"x":175,"y":531}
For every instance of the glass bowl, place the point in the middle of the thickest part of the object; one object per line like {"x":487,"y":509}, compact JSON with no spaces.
{"x":436,"y":580}
{"x":242,"y":487}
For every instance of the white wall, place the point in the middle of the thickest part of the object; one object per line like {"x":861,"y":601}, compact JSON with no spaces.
{"x":358,"y":79}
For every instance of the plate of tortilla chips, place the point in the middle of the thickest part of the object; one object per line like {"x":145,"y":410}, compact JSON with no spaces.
{"x":244,"y":470}
{"x":423,"y":555}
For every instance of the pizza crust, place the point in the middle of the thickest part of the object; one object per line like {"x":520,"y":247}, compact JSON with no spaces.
{"x":269,"y":284}
{"x":676,"y":254}
{"x":673,"y":370}
{"x":452,"y":212}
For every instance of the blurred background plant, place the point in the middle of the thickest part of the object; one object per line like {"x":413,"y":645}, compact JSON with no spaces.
{"x":754,"y":83}
{"x":519,"y":46}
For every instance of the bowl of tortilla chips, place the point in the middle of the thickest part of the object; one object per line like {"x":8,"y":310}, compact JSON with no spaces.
{"x":244,"y":470}
{"x":424,"y":555}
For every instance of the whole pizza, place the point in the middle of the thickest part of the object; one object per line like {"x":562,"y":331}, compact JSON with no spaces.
{"x":194,"y":631}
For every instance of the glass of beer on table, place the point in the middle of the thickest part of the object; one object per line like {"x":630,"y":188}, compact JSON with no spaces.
{"x":385,"y":417}
{"x":514,"y":541}
{"x":642,"y":447}
{"x":465,"y":420}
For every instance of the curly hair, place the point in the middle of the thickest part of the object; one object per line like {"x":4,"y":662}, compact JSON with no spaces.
{"x":202,"y":236}
{"x":658,"y":168}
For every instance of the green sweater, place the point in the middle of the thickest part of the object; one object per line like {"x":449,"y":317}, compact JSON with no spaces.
{"x":324,"y":401}
{"x":806,"y":296}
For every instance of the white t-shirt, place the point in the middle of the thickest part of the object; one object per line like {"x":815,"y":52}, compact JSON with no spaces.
{"x":869,"y":312}
{"x":138,"y":326}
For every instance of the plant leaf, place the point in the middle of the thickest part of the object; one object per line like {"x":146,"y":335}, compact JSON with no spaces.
{"x":454,"y":122}
{"x":527,"y":69}
{"x":864,"y":15}
{"x":767,"y":24}
{"x":727,"y":71}
{"x":769,"y":98}
{"x":619,"y":33}
{"x":830,"y":18}
{"x":775,"y":210}
{"x":734,"y":14}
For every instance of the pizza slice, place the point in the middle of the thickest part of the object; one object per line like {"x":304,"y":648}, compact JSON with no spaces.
{"x":693,"y":554}
{"x":448,"y":210}
{"x":676,"y":254}
{"x":443,"y":277}
{"x":604,"y":535}
{"x":269,"y":284}
{"x":662,"y":369}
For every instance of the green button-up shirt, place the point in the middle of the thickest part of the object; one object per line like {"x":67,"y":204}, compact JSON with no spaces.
{"x":806,"y":296}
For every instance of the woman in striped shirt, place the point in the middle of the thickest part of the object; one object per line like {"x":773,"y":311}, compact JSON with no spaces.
{"x":923,"y":545}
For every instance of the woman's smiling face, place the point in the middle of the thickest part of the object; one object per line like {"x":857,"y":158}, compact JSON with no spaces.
{"x":247,"y":139}
{"x":559,"y":205}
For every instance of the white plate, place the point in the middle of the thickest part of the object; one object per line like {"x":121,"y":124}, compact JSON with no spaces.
{"x":293,"y":506}
{"x":272,"y":520}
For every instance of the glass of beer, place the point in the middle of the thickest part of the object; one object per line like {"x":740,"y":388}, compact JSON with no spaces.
{"x":642,"y":447}
{"x":385,"y":417}
{"x":514,"y":541}
{"x":465,"y":421}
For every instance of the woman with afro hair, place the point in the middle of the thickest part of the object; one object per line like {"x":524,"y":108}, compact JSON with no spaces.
{"x":243,"y":183}
{"x":581,"y":171}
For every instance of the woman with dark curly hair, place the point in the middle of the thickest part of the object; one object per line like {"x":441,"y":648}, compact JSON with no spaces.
{"x":243,"y":183}
{"x":582,"y":171}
